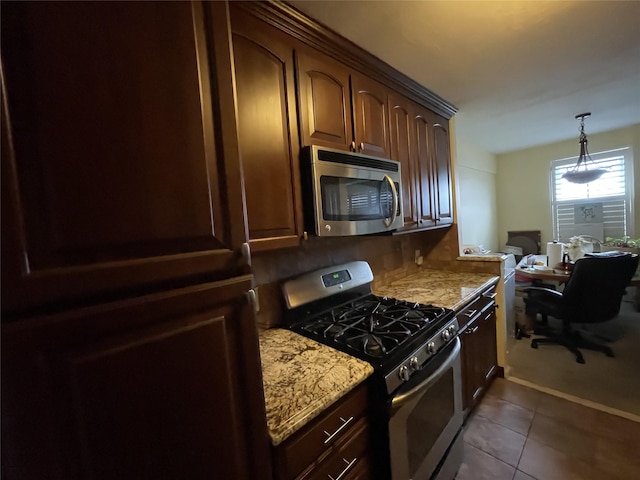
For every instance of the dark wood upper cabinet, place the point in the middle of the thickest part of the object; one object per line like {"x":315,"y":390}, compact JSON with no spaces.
{"x":161,"y":386}
{"x":443,"y":178}
{"x":371,"y":116}
{"x":404,"y":150}
{"x":420,"y":142}
{"x":119,"y":154}
{"x":325,"y":101}
{"x":340,"y":108}
{"x":423,"y":128}
{"x":267,"y":131}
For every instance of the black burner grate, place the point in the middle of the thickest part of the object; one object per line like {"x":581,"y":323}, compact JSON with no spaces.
{"x":373,"y":326}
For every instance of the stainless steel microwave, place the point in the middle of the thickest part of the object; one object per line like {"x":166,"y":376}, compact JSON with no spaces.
{"x":349,"y":193}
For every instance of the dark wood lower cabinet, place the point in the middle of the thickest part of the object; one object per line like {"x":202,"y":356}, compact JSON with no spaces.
{"x":334,"y":445}
{"x":162,"y":386}
{"x":479,"y":350}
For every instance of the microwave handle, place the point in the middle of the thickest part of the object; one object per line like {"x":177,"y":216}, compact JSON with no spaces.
{"x":389,"y":221}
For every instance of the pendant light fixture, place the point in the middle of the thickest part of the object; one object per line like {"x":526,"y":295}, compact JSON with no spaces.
{"x":580,"y":173}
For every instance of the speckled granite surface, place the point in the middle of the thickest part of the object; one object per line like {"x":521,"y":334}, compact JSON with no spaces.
{"x":438,"y":287}
{"x":301,"y":378}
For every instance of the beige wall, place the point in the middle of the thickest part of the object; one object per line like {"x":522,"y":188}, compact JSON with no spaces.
{"x":522,"y":181}
{"x":475,"y":171}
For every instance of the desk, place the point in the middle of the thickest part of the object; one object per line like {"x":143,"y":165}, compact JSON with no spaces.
{"x":550,"y":275}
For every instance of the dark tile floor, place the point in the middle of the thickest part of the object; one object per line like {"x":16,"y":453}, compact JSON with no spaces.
{"x":518,"y":433}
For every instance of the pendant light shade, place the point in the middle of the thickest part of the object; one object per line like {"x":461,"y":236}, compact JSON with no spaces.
{"x":580,"y":173}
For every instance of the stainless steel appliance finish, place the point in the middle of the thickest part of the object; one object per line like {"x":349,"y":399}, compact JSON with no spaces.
{"x":350,"y":193}
{"x":313,"y":285}
{"x":426,"y":417}
{"x":417,"y":394}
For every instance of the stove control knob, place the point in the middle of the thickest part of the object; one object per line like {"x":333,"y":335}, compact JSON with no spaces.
{"x":404,"y":373}
{"x":452,"y":329}
{"x":431,"y":347}
{"x":413,"y":363}
{"x":446,"y":335}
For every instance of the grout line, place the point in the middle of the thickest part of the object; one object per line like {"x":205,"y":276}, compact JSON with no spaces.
{"x":501,"y":425}
{"x":492,"y":456}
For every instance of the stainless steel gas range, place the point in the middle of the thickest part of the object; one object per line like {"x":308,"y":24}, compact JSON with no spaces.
{"x":416,"y":400}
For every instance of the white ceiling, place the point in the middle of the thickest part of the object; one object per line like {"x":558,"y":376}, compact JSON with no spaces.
{"x":518,"y":71}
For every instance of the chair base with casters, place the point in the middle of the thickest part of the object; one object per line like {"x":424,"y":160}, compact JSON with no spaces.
{"x":592,"y":294}
{"x":572,"y":340}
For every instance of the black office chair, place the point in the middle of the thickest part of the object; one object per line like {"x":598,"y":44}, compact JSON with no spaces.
{"x":593,"y":293}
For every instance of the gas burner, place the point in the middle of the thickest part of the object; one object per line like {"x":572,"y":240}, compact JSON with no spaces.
{"x":374,"y":326}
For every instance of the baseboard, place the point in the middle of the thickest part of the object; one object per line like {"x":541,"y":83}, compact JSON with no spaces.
{"x":573,"y":398}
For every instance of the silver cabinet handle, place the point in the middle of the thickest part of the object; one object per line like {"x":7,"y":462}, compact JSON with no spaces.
{"x":470,"y":313}
{"x":346,"y":469}
{"x":254,"y":301}
{"x":330,"y":436}
{"x":353,"y":146}
{"x":473,"y":330}
{"x":245,"y":251}
{"x":490,"y":296}
{"x":362,"y":146}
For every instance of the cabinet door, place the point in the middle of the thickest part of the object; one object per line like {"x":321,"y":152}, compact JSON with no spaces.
{"x":411,"y":129}
{"x":116,"y":170}
{"x":488,"y":360}
{"x":479,"y":356}
{"x":370,"y":116}
{"x":423,"y":126}
{"x":403,"y":150}
{"x":469,"y":354}
{"x":164,"y":386}
{"x":267,"y":131}
{"x":442,"y":175}
{"x":324,"y":101}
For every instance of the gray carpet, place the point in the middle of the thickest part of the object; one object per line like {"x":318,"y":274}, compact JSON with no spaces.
{"x":611,"y":382}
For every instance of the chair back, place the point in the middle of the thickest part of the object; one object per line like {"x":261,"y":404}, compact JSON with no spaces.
{"x":594,"y":291}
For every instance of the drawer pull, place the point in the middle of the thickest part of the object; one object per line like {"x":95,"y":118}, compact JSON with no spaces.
{"x":330,"y":436}
{"x":490,"y":296}
{"x":473,"y":330}
{"x":346,"y":469}
{"x":469,"y":313}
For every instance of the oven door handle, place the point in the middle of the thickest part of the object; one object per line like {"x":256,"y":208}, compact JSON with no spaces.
{"x":399,"y":400}
{"x":389,"y":221}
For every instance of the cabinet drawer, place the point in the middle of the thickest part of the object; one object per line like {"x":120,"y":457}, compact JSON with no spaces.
{"x":477,"y":307}
{"x":304,"y":447}
{"x":345,"y":460}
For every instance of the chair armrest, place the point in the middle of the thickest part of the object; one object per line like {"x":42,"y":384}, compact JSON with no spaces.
{"x":543,"y":290}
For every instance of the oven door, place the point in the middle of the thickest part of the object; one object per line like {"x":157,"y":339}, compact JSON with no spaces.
{"x":426,"y":417}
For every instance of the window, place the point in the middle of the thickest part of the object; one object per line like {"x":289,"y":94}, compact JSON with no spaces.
{"x":601,"y":208}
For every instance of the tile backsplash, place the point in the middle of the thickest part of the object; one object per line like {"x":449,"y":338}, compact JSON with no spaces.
{"x":390,"y":256}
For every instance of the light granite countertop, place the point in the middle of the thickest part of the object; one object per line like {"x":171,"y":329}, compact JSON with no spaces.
{"x":438,"y":287}
{"x":301,"y":378}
